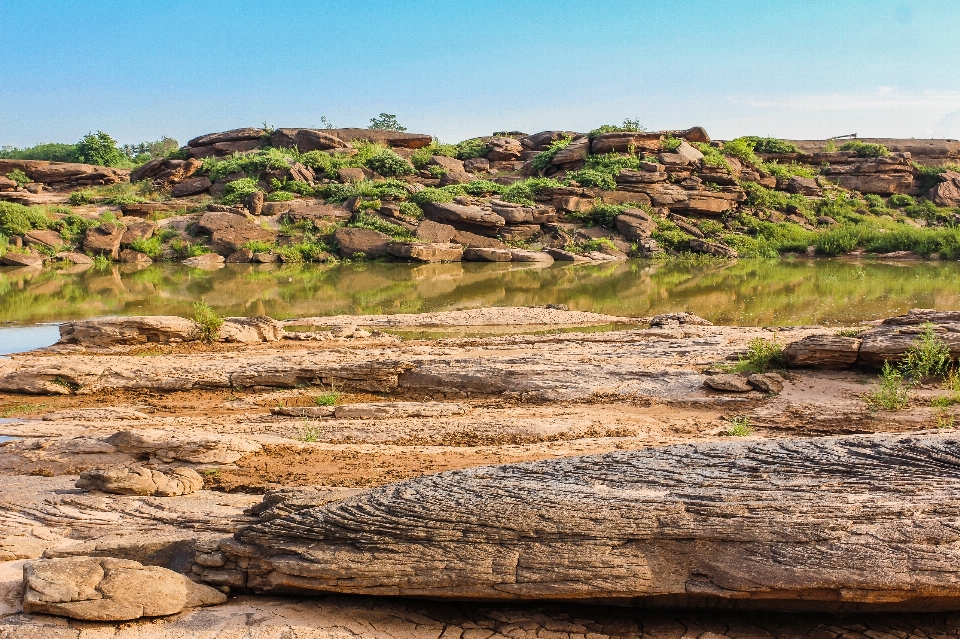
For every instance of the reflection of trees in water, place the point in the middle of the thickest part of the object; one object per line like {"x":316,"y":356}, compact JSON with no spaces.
{"x":764,"y":292}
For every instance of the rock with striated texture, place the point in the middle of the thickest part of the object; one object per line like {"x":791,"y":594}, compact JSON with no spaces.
{"x":122,"y":331}
{"x":834,"y":523}
{"x":106,"y":589}
{"x":394,"y":410}
{"x":487,"y":255}
{"x":196,"y":449}
{"x":766,"y":382}
{"x":427,"y":252}
{"x":141,"y":481}
{"x":250,"y":330}
{"x":822,"y":351}
{"x":465,"y":217}
{"x":728,"y":383}
{"x":234,"y":135}
{"x":191,"y":186}
{"x":103,"y":240}
{"x":676,"y":319}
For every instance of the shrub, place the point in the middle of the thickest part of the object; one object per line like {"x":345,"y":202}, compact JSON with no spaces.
{"x":305,"y":251}
{"x":410,"y":209}
{"x":482,"y":187}
{"x":762,"y":355}
{"x":670,"y":236}
{"x":759,"y":196}
{"x":900,"y":200}
{"x":628,"y":125}
{"x":253,"y":163}
{"x":787,"y":171}
{"x":928,"y":176}
{"x":258,"y":246}
{"x":328,"y":398}
{"x":421,"y":156}
{"x":890,"y":395}
{"x":593,"y":178}
{"x":865,"y":150}
{"x":740,"y":426}
{"x":16,"y":219}
{"x":838,"y":239}
{"x":293,"y":186}
{"x":543,"y":160}
{"x":524,"y":191}
{"x":280,"y":196}
{"x":742,"y":149}
{"x":389,"y":164}
{"x":19,"y":177}
{"x":611,"y":162}
{"x":429,"y":195}
{"x":237,"y":190}
{"x":72,"y":225}
{"x":712,"y":156}
{"x":50,"y":152}
{"x":469,"y":149}
{"x":771,"y":145}
{"x":151,"y":247}
{"x":81,"y":197}
{"x":928,"y":357}
{"x":98,"y":148}
{"x":671,"y":143}
{"x":386,"y":122}
{"x":363,"y":221}
{"x":604,"y":214}
{"x":207,"y":320}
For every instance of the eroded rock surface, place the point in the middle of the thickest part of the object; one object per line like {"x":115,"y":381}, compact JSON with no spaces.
{"x":141,"y":481}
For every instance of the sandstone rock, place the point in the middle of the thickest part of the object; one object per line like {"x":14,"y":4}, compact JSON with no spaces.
{"x":250,"y":330}
{"x":476,"y":165}
{"x":465,"y":218}
{"x":207,"y":261}
{"x":144,"y":209}
{"x":729,"y":383}
{"x":125,"y":331}
{"x":390,"y":138}
{"x":456,"y":177}
{"x":313,"y":412}
{"x":521,"y":255}
{"x":576,"y":151}
{"x":804,"y":186}
{"x":233,"y":135}
{"x":472,"y":240}
{"x":503,"y":149}
{"x":450,"y":164}
{"x":134,"y":257}
{"x":430,"y":231}
{"x":137,"y":231}
{"x":229,"y":148}
{"x":432,"y":252}
{"x":366,"y":242}
{"x":65,"y":173}
{"x":265,"y":257}
{"x":487,"y":255}
{"x":47,"y":238}
{"x":230,"y":231}
{"x":103,"y":240}
{"x":254,"y":203}
{"x":689,"y":153}
{"x":22,"y":259}
{"x":353,"y":174}
{"x":6,"y":184}
{"x":713,"y":248}
{"x":242,"y":256}
{"x":623,"y":142}
{"x":822,"y":351}
{"x":141,"y":481}
{"x":647,"y":527}
{"x":693,"y":134}
{"x":678,"y":319}
{"x":559,"y":255}
{"x":307,"y":140}
{"x":947,"y":193}
{"x":766,"y":382}
{"x":74,"y":257}
{"x":917,"y":316}
{"x":196,"y":449}
{"x":635,"y":224}
{"x":192,"y":186}
{"x":106,"y":589}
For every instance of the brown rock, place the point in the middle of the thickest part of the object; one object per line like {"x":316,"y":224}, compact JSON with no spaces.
{"x":635,"y":224}
{"x":353,"y":174}
{"x":137,"y":231}
{"x":242,"y":256}
{"x":103,"y":240}
{"x":503,"y":149}
{"x":448,"y":163}
{"x":624,"y":142}
{"x":107,"y":589}
{"x":576,"y":151}
{"x":125,"y":331}
{"x":430,"y":231}
{"x":947,"y":193}
{"x":804,"y":186}
{"x":669,"y":320}
{"x":207,"y":261}
{"x":229,"y":148}
{"x":728,"y":383}
{"x":456,"y":177}
{"x":254,"y":203}
{"x":713,"y":248}
{"x":192,"y":186}
{"x":472,"y":240}
{"x":141,"y":481}
{"x":822,"y":351}
{"x":47,"y":238}
{"x":487,"y":255}
{"x":265,"y":257}
{"x":11,"y":258}
{"x":766,"y":382}
{"x":366,"y":242}
{"x":307,"y":140}
{"x":233,"y":135}
{"x":476,"y":165}
{"x":390,"y":138}
{"x":74,"y":257}
{"x":521,"y":255}
{"x":693,"y":134}
{"x":134,"y":257}
{"x":250,"y":330}
{"x":466,"y":218}
{"x":433,"y":252}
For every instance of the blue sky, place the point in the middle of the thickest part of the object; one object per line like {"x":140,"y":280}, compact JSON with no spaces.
{"x":798,"y":68}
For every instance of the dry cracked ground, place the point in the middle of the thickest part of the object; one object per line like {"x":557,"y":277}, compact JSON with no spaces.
{"x":506,"y":386}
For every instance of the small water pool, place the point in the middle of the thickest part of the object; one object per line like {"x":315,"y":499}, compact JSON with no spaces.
{"x":17,"y":339}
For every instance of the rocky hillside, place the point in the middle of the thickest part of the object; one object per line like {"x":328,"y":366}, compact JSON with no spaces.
{"x":290,"y":194}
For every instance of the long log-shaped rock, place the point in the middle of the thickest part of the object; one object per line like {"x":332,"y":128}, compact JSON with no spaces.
{"x":839,"y":523}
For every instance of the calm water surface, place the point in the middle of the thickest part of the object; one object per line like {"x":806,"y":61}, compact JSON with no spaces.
{"x":747,"y":292}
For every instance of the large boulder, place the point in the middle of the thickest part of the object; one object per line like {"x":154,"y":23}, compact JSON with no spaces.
{"x":465,"y":217}
{"x":250,"y":330}
{"x":426,"y":252}
{"x":307,"y":140}
{"x":635,"y":224}
{"x":191,"y":186}
{"x":626,"y":141}
{"x":65,"y":173}
{"x":390,"y":138}
{"x":947,"y":193}
{"x":45,"y":238}
{"x":822,"y":351}
{"x":141,"y":481}
{"x":107,"y":589}
{"x":125,"y":331}
{"x":365,"y":242}
{"x":430,"y":231}
{"x":137,"y":231}
{"x":576,"y":151}
{"x":166,"y":447}
{"x":832,"y":523}
{"x":11,"y":258}
{"x":234,"y":135}
{"x":104,"y":240}
{"x":503,"y":149}
{"x":229,"y":231}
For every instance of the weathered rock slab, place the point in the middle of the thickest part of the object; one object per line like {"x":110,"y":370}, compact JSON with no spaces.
{"x":117,"y":331}
{"x":141,"y":481}
{"x":105,"y":589}
{"x":822,"y":351}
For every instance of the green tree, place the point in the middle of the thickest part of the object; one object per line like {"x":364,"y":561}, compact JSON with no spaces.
{"x":386,"y":122}
{"x":98,"y":148}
